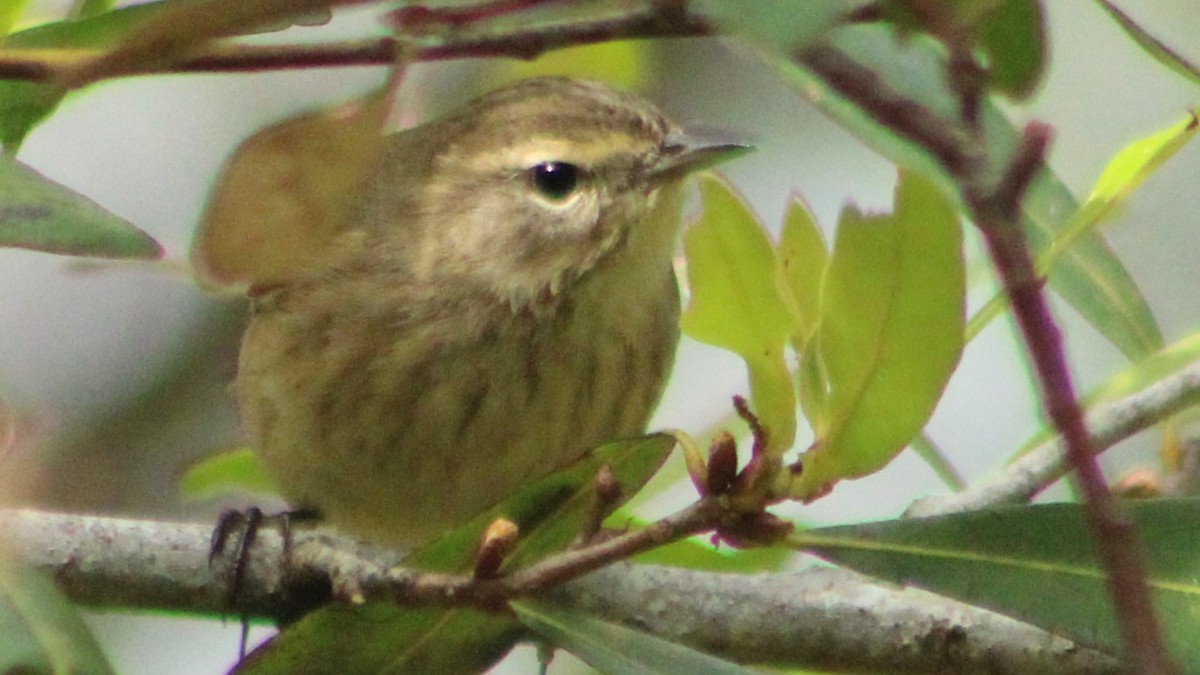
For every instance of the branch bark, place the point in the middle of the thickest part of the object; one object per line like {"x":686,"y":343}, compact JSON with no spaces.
{"x":1108,"y":424}
{"x":825,"y":617}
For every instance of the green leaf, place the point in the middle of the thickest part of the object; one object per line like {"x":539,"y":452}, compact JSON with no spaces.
{"x":1034,"y":563}
{"x":1089,"y":277}
{"x":804,"y":257}
{"x":37,"y":213}
{"x":616,"y":650}
{"x":738,"y":302}
{"x":890,"y":334}
{"x":1124,"y":173}
{"x":24,"y":104}
{"x":782,"y":25}
{"x":1009,"y":35}
{"x":1013,"y":39}
{"x":225,"y":473}
{"x":1158,"y":50}
{"x":40,"y":631}
{"x":550,"y":512}
{"x":380,"y":637}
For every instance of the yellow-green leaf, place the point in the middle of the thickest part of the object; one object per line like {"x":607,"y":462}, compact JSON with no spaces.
{"x":10,"y":11}
{"x":696,"y":554}
{"x":224,"y":473}
{"x":1124,"y":173}
{"x":1035,"y":563}
{"x":1137,"y":376}
{"x":738,"y":302}
{"x":623,"y":63}
{"x":890,"y":335}
{"x":804,"y":257}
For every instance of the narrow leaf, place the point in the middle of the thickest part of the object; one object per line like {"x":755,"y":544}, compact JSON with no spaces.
{"x":40,"y":631}
{"x":1123,"y":174}
{"x":1137,"y":376}
{"x":932,"y":455}
{"x":1157,"y":49}
{"x":39,"y":214}
{"x":616,"y":650}
{"x":738,"y":302}
{"x":890,"y":334}
{"x":1035,"y":563}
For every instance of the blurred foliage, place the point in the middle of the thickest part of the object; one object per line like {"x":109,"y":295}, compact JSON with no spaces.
{"x":40,"y":632}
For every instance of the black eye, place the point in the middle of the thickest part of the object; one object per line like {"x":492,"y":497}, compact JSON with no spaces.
{"x":556,"y":180}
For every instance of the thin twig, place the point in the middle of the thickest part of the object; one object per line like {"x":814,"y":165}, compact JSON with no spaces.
{"x":1109,"y":424}
{"x":224,"y":57}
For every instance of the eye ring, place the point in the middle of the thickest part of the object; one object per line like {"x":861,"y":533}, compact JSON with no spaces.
{"x":555,"y":180}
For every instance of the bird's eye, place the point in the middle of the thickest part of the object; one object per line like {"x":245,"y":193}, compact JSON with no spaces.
{"x":555,"y":180}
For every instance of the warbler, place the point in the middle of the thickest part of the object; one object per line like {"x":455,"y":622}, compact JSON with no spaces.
{"x":500,"y":301}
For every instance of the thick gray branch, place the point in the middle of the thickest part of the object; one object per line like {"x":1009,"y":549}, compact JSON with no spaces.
{"x":822,"y":617}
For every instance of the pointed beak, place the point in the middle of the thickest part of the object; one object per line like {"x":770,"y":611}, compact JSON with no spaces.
{"x":688,"y":152}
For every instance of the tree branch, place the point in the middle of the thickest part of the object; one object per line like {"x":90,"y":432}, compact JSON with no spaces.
{"x":653,"y":22}
{"x":823,"y":617}
{"x":1109,"y":424}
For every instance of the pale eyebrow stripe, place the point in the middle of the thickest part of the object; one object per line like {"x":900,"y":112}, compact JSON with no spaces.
{"x":537,"y":149}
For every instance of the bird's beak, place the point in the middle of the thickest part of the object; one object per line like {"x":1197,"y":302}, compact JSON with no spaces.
{"x":687,"y":152}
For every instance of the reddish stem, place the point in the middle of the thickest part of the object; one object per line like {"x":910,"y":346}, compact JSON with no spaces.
{"x":1115,"y":537}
